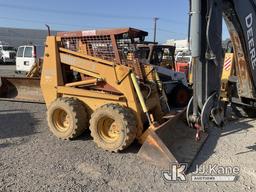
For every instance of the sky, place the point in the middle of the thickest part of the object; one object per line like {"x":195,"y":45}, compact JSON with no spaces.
{"x":73,"y":15}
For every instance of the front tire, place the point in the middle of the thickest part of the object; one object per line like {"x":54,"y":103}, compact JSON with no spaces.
{"x":113,"y":127}
{"x":67,"y":118}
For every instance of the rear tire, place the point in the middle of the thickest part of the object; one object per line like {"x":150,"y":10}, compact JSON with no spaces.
{"x":113,"y":127}
{"x":179,"y":96}
{"x":67,"y":118}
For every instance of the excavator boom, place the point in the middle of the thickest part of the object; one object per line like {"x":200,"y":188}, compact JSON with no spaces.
{"x":206,"y":35}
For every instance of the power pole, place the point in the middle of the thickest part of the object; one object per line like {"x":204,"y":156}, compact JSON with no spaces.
{"x":155,"y":21}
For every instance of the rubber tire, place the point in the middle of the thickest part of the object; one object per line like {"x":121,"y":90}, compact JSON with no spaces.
{"x":76,"y":110}
{"x":124,"y":117}
{"x":173,"y":98}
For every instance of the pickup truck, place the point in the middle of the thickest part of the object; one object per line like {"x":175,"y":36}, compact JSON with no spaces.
{"x":7,"y":53}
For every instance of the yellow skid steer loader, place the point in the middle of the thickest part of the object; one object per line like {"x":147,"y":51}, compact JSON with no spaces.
{"x":93,"y":79}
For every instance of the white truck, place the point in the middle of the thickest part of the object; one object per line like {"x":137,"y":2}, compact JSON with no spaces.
{"x":7,"y":53}
{"x":27,"y":56}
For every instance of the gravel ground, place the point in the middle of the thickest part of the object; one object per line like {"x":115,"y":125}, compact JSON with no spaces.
{"x":32,"y":159}
{"x":7,"y":70}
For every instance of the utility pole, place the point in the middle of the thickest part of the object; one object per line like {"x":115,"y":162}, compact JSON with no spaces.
{"x":189,"y":26}
{"x":155,"y":21}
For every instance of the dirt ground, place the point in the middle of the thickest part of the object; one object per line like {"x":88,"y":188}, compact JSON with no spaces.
{"x":32,"y":159}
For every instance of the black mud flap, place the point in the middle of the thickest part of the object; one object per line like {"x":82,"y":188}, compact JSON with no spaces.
{"x":21,"y":89}
{"x":172,"y":142}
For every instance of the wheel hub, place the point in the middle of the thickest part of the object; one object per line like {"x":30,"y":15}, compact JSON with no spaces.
{"x":61,"y":120}
{"x":108,"y":129}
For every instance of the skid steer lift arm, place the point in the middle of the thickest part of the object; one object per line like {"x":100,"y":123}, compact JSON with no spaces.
{"x":206,"y":35}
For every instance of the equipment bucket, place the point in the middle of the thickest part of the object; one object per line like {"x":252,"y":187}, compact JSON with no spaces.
{"x":173,"y":142}
{"x":21,"y":89}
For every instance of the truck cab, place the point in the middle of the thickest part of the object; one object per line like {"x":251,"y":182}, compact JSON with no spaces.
{"x":7,"y":53}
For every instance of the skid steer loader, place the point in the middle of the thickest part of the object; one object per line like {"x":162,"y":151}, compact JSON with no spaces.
{"x":175,"y":83}
{"x":163,"y":59}
{"x":117,"y":98}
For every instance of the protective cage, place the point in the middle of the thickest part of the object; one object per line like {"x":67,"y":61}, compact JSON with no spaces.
{"x":109,"y":44}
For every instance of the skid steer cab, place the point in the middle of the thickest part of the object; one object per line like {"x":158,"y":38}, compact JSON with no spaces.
{"x":88,"y":82}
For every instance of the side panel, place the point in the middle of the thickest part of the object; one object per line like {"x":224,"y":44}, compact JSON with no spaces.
{"x":19,"y":58}
{"x":246,"y":14}
{"x":28,"y":59}
{"x":51,"y":72}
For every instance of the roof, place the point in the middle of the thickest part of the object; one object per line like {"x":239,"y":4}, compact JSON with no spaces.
{"x":156,"y":45}
{"x":100,"y":32}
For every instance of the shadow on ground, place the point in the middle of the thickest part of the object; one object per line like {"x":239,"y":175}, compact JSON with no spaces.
{"x":233,"y":126}
{"x":86,"y":136}
{"x":249,"y":149}
{"x":16,"y":123}
{"x":214,"y":134}
{"x":133,"y":148}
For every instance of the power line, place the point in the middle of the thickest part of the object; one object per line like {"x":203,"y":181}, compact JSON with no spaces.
{"x":80,"y":26}
{"x":173,"y":21}
{"x":43,"y":22}
{"x":70,"y":12}
{"x":171,"y":32}
{"x":89,"y":14}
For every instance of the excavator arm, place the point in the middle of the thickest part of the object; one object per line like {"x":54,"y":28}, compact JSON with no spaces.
{"x":207,"y":53}
{"x":240,"y":20}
